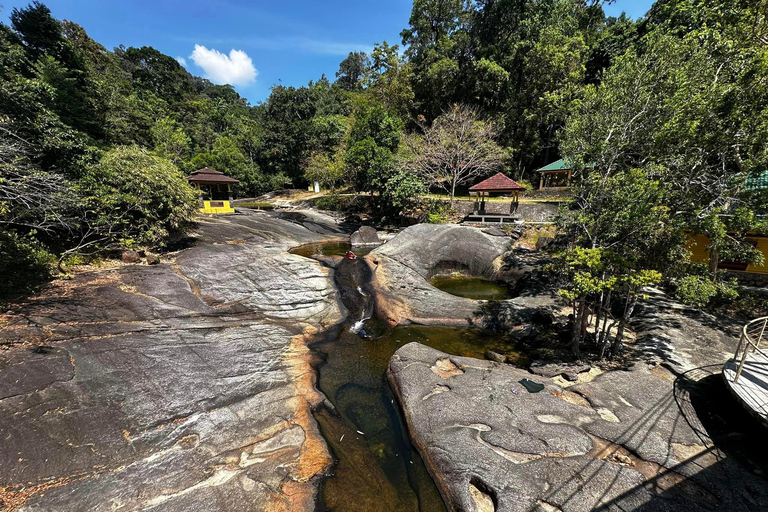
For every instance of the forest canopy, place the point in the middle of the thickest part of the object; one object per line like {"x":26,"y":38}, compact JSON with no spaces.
{"x":95,"y":143}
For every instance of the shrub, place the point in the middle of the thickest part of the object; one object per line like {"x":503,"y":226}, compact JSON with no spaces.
{"x":332,"y":202}
{"x":437,"y":212}
{"x":25,"y":264}
{"x":135,"y":197}
{"x":697,"y":290}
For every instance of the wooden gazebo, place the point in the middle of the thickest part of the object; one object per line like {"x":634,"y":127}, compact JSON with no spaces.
{"x":499,"y":184}
{"x":215,"y":188}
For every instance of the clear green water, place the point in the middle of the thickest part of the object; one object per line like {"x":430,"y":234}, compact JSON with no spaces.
{"x":333,"y":248}
{"x":379,"y":470}
{"x":476,"y":288}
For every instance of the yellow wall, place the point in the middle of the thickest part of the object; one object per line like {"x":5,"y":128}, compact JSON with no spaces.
{"x":224,"y":208}
{"x":699,"y":253}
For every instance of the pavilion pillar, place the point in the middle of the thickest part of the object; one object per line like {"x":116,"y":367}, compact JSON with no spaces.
{"x":229,"y":191}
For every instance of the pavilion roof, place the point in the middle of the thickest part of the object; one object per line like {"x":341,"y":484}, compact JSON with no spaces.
{"x":559,"y":165}
{"x":210,"y":176}
{"x":757,"y":182}
{"x":497,"y":183}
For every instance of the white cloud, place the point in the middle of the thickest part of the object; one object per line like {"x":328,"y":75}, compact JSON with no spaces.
{"x":182,"y":61}
{"x":236,"y":68}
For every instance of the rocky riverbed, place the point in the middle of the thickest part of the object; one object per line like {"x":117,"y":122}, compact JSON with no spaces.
{"x":187,"y":385}
{"x":661,"y":435}
{"x":180,"y":386}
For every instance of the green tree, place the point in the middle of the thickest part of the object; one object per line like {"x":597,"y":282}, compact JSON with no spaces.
{"x":373,"y":140}
{"x":351,"y":71}
{"x":132,"y":197}
{"x":170,"y":140}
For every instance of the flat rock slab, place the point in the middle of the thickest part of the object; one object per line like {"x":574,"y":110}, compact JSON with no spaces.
{"x":176,"y":387}
{"x":555,"y":368}
{"x":616,"y":443}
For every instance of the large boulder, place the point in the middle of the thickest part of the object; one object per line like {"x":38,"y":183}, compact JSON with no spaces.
{"x":366,"y":235}
{"x":405,"y":264}
{"x":641,"y":439}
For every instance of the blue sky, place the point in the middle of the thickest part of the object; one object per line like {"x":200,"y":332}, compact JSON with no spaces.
{"x":292,"y":41}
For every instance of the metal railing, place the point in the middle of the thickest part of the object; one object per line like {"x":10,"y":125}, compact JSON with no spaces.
{"x":752,"y":335}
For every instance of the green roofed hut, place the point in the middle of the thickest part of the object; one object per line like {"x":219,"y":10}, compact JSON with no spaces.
{"x":497,"y":185}
{"x":757,"y":182}
{"x":555,"y":176}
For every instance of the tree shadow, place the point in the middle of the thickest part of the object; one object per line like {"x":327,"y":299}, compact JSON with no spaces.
{"x":727,"y":474}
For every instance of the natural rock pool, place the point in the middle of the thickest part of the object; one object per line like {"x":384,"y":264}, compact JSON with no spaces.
{"x":332,"y":248}
{"x":477,"y":288}
{"x":378,"y":468}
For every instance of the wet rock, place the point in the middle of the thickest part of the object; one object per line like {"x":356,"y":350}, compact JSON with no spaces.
{"x":366,"y":235}
{"x":495,"y":356}
{"x":554,"y":368}
{"x":130,"y":257}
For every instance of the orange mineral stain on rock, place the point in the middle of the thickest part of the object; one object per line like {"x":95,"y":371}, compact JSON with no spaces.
{"x":314,"y":458}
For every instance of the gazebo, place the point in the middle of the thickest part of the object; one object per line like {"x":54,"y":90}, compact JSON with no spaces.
{"x":555,"y":176}
{"x":215,"y":188}
{"x":499,"y":184}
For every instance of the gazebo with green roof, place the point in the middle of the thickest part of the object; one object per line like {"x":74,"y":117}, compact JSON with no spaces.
{"x":556,"y":175}
{"x":757,"y":182}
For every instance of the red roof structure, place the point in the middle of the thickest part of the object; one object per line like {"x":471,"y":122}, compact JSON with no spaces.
{"x":206,"y":176}
{"x":497,"y":183}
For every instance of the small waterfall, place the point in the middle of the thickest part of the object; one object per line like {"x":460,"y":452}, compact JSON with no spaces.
{"x":357,"y":327}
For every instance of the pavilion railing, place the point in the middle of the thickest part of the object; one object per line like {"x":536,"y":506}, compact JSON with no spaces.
{"x":753,"y":335}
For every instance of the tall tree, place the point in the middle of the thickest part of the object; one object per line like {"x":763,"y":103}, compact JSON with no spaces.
{"x":351,"y":71}
{"x":457,"y":148}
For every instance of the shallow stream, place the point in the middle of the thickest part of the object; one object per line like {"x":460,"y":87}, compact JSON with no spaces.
{"x":377,"y":468}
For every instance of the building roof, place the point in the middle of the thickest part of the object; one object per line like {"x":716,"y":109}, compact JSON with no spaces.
{"x":210,"y":176}
{"x":560,"y":165}
{"x":757,"y":182}
{"x":498,"y":183}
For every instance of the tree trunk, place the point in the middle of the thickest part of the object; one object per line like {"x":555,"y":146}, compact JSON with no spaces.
{"x":616,"y":347}
{"x":605,"y":306}
{"x":453,"y":191}
{"x":714,"y":261}
{"x":606,"y":335}
{"x":576,"y":338}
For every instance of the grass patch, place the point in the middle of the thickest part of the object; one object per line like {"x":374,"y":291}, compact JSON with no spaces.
{"x":258,"y":205}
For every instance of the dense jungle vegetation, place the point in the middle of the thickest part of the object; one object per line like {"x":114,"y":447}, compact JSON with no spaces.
{"x":665,"y":119}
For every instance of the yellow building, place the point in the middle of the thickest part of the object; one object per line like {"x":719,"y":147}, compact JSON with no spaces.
{"x":700,"y":254}
{"x":215,"y":190}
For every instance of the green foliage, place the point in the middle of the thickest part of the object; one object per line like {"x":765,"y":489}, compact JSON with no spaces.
{"x":331,"y":202}
{"x":402,"y":191}
{"x":328,"y":171}
{"x":133,"y":197}
{"x":701,"y":291}
{"x":436,"y":212}
{"x":374,"y":137}
{"x":260,"y":205}
{"x":25,"y":264}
